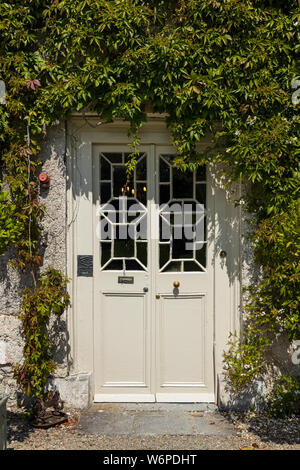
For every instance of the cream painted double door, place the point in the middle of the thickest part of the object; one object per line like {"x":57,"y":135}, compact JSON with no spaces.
{"x":153,"y":275}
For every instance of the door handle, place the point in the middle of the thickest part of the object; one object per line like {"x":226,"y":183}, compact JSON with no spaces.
{"x":176,"y":284}
{"x":145,"y":289}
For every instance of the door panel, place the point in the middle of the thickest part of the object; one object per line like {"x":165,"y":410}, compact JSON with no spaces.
{"x":182,"y":341}
{"x":124,"y":353}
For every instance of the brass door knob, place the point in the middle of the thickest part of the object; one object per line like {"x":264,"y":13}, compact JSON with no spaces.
{"x":176,"y":284}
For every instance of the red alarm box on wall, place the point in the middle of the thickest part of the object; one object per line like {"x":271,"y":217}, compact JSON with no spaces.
{"x":44,"y":180}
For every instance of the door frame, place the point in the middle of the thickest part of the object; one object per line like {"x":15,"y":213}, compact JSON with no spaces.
{"x":82,"y":135}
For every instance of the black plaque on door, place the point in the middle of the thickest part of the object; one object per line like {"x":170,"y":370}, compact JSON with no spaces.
{"x":85,"y":265}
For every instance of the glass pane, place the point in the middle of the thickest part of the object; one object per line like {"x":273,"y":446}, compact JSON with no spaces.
{"x":190,"y":218}
{"x":105,"y":253}
{"x":114,"y":157}
{"x":164,"y":230}
{"x":140,"y":232}
{"x":182,"y":184}
{"x":141,"y":193}
{"x":174,"y":266}
{"x":106,"y":228}
{"x":189,"y":206}
{"x":164,"y":193}
{"x":201,"y":193}
{"x":164,"y":253}
{"x":117,"y":217}
{"x":141,"y":169}
{"x":104,"y":169}
{"x":134,"y":206}
{"x":131,"y":218}
{"x":141,"y":249}
{"x":105,"y":192}
{"x":200,"y":230}
{"x":191,"y":266}
{"x":164,"y":171}
{"x":201,"y":254}
{"x":133,"y":265}
{"x":179,"y":249}
{"x":124,"y":248}
{"x":176,"y":216}
{"x":121,"y":186}
{"x":115,"y":265}
{"x":121,"y":232}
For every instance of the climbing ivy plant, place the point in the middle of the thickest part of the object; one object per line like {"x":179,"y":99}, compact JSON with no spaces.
{"x":50,"y":297}
{"x":224,"y":67}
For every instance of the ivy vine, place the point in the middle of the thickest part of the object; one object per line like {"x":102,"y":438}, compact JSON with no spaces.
{"x":202,"y":62}
{"x":50,"y":297}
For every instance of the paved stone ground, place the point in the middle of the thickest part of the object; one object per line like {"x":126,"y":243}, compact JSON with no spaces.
{"x":147,"y":419}
{"x":155,"y":427}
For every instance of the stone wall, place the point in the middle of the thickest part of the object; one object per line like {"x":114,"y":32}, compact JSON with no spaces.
{"x":53,"y":246}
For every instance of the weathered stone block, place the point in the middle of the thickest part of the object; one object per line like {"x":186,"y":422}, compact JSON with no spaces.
{"x":251,"y":398}
{"x":74,"y":390}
